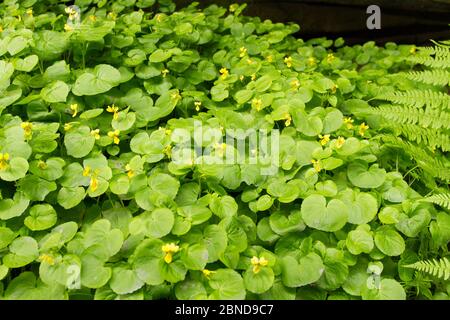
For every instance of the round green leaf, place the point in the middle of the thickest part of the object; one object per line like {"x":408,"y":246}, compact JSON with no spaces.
{"x":317,"y":214}
{"x":389,"y":241}
{"x":42,"y":216}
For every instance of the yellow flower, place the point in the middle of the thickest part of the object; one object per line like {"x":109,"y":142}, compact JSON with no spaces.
{"x":288,"y":61}
{"x":324,"y":139}
{"x":233,"y":7}
{"x":30,"y":12}
{"x":334,"y":88}
{"x":47,"y":259}
{"x":1,"y":29}
{"x":295,"y":84}
{"x":224,"y":73}
{"x":93,"y":184}
{"x":68,"y":28}
{"x":74,"y":108}
{"x":349,"y":122}
{"x":253,"y":77}
{"x":86,"y":171}
{"x":164,"y":72}
{"x":249,"y":61}
{"x":311,"y":61}
{"x":317,"y":165}
{"x":112,"y":15}
{"x":340,"y":142}
{"x":330,"y":58}
{"x":168,"y":151}
{"x":288,"y":119}
{"x":207,"y":273}
{"x":4,"y":159}
{"x":169,"y":249}
{"x":413,"y":50}
{"x":159,"y":17}
{"x":241,"y":77}
{"x":269,"y":58}
{"x":197,"y":104}
{"x":242,"y":52}
{"x":114,"y":110}
{"x":42,"y":165}
{"x":92,"y":18}
{"x":257,"y":104}
{"x":68,"y":126}
{"x":96,"y":133}
{"x":176,"y":95}
{"x":362,"y":129}
{"x":130,"y":172}
{"x":258,"y":263}
{"x":114,"y":135}
{"x":27,"y":129}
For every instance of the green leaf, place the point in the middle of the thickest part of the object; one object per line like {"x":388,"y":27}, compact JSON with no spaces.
{"x":389,"y":241}
{"x":363,"y":207}
{"x":317,"y":214}
{"x":195,"y":257}
{"x":36,"y":188}
{"x":124,"y":280}
{"x":56,"y":91}
{"x":42,"y":216}
{"x":79,"y":142}
{"x":389,"y":289}
{"x":16,"y":169}
{"x":224,"y":206}
{"x":227,"y":285}
{"x":101,"y":79}
{"x":6,"y":237}
{"x":159,"y":222}
{"x":160,"y":55}
{"x":10,"y":208}
{"x":259,"y":282}
{"x":306,"y":270}
{"x":70,"y":197}
{"x":23,"y":251}
{"x":27,"y":64}
{"x":363,"y":177}
{"x":308,"y":125}
{"x":360,"y":240}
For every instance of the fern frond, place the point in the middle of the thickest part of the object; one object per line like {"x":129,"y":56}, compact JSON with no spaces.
{"x":441,"y":199}
{"x":418,"y":98}
{"x":428,"y":136}
{"x":436,"y":165}
{"x":437,"y":77}
{"x":426,"y":118}
{"x":438,"y":268}
{"x":434,"y":57}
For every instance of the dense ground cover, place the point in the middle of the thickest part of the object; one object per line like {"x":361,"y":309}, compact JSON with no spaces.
{"x":96,"y":102}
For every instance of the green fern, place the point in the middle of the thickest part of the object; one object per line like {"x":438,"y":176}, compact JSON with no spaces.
{"x":438,"y":268}
{"x":441,"y":199}
{"x":418,"y":98}
{"x":437,"y":77}
{"x":430,"y":137}
{"x":433,"y":57}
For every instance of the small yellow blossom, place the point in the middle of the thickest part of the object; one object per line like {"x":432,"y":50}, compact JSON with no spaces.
{"x":413,"y":50}
{"x":324,"y":139}
{"x":169,"y":249}
{"x":92,"y":18}
{"x":288,"y":61}
{"x":159,"y":17}
{"x":112,"y":15}
{"x":253,"y":77}
{"x":340,"y":142}
{"x":224,"y":73}
{"x":197,"y":104}
{"x":207,"y":273}
{"x":4,"y":159}
{"x":334,"y":88}
{"x":130,"y":172}
{"x":47,"y":259}
{"x":93,"y":184}
{"x":311,"y":61}
{"x":250,"y":61}
{"x":257,"y":104}
{"x":42,"y":165}
{"x":242,"y":52}
{"x":233,"y":7}
{"x":258,"y":263}
{"x":27,"y":129}
{"x":114,"y":135}
{"x":74,"y":108}
{"x":175,"y":95}
{"x":30,"y":12}
{"x":241,"y":77}
{"x":68,"y":28}
{"x":362,"y":129}
{"x":269,"y":58}
{"x":288,"y":119}
{"x":114,"y":110}
{"x":330,"y":58}
{"x":348,"y":122}
{"x":295,"y":84}
{"x":164,"y":72}
{"x":96,"y":133}
{"x":86,"y":171}
{"x":317,"y":165}
{"x":168,"y":151}
{"x":68,"y":126}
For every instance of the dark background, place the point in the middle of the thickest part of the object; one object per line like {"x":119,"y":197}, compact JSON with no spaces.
{"x":402,"y":21}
